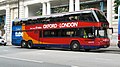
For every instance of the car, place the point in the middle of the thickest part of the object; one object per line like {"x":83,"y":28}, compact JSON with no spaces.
{"x":3,"y":41}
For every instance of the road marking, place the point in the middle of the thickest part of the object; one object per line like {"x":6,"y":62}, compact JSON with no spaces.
{"x":74,"y":66}
{"x":105,"y":59}
{"x":20,"y":59}
{"x":40,"y":53}
{"x":5,"y":50}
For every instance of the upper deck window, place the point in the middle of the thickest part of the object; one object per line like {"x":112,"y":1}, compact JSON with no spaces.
{"x":17,"y":23}
{"x":100,"y":16}
{"x":89,"y":17}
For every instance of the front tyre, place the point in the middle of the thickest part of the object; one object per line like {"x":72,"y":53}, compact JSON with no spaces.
{"x":75,"y":45}
{"x":30,"y":44}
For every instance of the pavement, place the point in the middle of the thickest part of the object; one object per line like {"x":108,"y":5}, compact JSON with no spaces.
{"x":14,"y":56}
{"x":113,"y":40}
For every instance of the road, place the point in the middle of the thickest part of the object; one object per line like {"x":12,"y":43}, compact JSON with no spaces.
{"x":13,"y":56}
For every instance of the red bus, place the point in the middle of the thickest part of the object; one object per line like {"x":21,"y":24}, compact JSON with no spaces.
{"x":84,"y":29}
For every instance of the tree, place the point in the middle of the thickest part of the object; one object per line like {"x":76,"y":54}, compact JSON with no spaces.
{"x":117,"y":3}
{"x":60,"y":9}
{"x":39,"y":13}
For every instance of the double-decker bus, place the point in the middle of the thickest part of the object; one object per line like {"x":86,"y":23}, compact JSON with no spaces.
{"x":84,"y":29}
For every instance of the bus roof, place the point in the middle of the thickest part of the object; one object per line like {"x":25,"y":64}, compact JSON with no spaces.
{"x":58,"y":14}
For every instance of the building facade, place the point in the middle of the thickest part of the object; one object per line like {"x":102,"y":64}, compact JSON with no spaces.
{"x":28,"y":8}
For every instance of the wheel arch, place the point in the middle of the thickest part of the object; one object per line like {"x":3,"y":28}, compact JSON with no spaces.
{"x":30,"y":40}
{"x":22,"y":41}
{"x":73,"y":41}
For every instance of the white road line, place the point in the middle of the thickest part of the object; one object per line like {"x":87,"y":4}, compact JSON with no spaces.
{"x":74,"y":66}
{"x":20,"y":59}
{"x":5,"y":50}
{"x":103,"y":59}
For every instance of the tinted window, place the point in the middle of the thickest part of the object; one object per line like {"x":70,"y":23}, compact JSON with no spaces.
{"x":101,"y":17}
{"x":63,"y":33}
{"x":50,"y":33}
{"x":32,"y":21}
{"x":89,"y":17}
{"x":76,"y":32}
{"x":17,"y":23}
{"x":40,"y":34}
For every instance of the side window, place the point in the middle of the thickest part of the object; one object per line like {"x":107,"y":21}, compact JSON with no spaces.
{"x":89,"y":17}
{"x":68,"y":33}
{"x":40,"y":35}
{"x":66,"y":18}
{"x":86,"y":32}
{"x":83,"y":33}
{"x":78,"y":33}
{"x":46,"y":33}
{"x":73,"y":17}
{"x":43,"y":20}
{"x":59,"y":19}
{"x":60,"y":33}
{"x":47,"y":20}
{"x":50,"y":33}
{"x":34,"y":21}
{"x":40,"y":20}
{"x":17,"y":23}
{"x":14,"y":23}
{"x":52,"y":19}
{"x":24,"y":22}
{"x":70,"y":18}
{"x":28,"y":22}
{"x":31,"y":21}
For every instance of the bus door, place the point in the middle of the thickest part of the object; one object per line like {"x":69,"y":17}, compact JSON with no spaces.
{"x":40,"y":37}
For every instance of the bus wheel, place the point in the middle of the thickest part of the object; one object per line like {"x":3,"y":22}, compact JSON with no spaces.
{"x":23,"y":44}
{"x":30,"y":44}
{"x":75,"y":45}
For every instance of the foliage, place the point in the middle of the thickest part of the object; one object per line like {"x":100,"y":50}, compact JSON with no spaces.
{"x":60,"y":9}
{"x":55,"y":10}
{"x":117,"y":3}
{"x":39,"y":13}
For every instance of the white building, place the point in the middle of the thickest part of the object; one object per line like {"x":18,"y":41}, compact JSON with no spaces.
{"x":28,"y":8}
